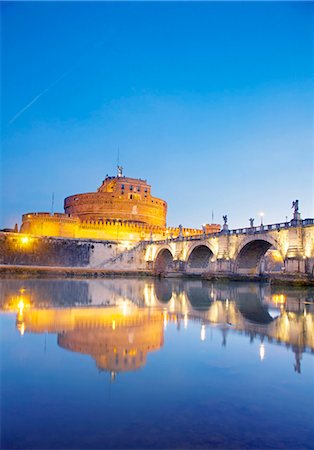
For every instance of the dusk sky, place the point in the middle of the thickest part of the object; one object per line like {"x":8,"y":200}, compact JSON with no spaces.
{"x":211,"y":103}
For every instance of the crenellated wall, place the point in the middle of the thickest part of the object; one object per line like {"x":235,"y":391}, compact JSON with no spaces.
{"x":63,"y":225}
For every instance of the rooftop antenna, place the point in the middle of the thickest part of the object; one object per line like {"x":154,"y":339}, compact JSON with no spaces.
{"x":212,"y":216}
{"x":52,"y":202}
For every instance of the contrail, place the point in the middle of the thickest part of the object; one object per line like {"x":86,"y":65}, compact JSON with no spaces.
{"x":98,"y":43}
{"x":34,"y":100}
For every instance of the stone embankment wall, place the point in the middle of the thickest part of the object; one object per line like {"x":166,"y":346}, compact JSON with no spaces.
{"x":42,"y":293}
{"x":19,"y":249}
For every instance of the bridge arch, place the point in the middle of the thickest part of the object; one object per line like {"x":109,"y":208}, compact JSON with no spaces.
{"x":163,"y":290}
{"x":250,"y":253}
{"x":199,"y":256}
{"x":163,"y":260}
{"x":199,"y":297}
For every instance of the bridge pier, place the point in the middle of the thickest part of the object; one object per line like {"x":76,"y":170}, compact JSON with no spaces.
{"x":295,"y":265}
{"x":224,"y":265}
{"x":179,"y":265}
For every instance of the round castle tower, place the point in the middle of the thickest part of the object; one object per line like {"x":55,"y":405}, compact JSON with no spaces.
{"x":119,"y":198}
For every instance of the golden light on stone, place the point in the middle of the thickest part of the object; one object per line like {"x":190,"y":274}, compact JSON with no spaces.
{"x":25,"y":240}
{"x":276,"y":256}
{"x":107,"y":214}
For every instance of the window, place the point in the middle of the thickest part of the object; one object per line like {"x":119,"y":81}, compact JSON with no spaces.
{"x":138,"y":188}
{"x":122,"y":186}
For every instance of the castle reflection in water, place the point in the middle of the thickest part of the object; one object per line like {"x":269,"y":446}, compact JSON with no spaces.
{"x":118,"y":322}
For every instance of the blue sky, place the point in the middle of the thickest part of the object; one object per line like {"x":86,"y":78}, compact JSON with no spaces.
{"x":211,"y":102}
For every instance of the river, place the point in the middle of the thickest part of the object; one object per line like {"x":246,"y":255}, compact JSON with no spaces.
{"x":146,"y":363}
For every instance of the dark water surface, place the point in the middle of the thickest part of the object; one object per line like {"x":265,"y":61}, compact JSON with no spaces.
{"x":126,"y":363}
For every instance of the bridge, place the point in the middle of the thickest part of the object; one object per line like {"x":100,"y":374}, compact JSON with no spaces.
{"x":238,"y":252}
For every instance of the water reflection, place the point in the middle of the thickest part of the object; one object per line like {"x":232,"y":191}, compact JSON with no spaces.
{"x":118,"y":322}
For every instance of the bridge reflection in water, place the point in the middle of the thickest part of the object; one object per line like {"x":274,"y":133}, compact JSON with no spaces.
{"x":118,"y":322}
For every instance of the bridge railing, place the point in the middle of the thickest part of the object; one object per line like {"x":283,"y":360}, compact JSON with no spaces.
{"x":247,"y":230}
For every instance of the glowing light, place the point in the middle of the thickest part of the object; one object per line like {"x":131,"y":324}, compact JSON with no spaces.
{"x":25,"y":240}
{"x":21,"y":306}
{"x":185,"y":320}
{"x":125,"y":309}
{"x":279,"y":299}
{"x":113,"y":324}
{"x":172,"y":305}
{"x":165,"y":319}
{"x":21,"y":328}
{"x":262,"y":351}
{"x":262,"y":215}
{"x":203,"y":333}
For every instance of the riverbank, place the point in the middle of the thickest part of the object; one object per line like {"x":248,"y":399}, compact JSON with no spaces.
{"x":296,"y":279}
{"x":19,"y":271}
{"x":9,"y":271}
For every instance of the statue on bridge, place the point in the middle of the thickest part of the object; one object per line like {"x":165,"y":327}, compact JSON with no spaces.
{"x":251,"y":222}
{"x":180,"y":231}
{"x":295,"y":205}
{"x":296,"y":214}
{"x":225,"y":225}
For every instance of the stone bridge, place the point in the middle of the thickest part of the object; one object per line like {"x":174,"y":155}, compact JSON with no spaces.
{"x":239,"y":251}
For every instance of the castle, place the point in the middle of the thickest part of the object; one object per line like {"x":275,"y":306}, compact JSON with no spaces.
{"x":122,"y":209}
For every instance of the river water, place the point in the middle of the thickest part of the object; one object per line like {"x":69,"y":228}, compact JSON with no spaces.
{"x":144,"y":363}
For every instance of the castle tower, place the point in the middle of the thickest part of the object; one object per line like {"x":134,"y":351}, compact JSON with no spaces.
{"x":119,"y":198}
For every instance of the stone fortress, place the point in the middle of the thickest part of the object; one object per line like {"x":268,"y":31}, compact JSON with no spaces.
{"x":122,"y":228}
{"x":122,"y":209}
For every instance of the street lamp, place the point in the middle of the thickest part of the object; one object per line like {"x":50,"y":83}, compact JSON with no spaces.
{"x":262,"y":215}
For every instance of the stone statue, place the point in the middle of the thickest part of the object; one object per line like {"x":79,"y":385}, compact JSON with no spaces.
{"x":120,"y":169}
{"x":225,"y":219}
{"x":295,"y":205}
{"x":251,"y":222}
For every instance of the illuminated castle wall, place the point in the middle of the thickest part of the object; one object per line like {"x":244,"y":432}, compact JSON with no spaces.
{"x":122,"y":209}
{"x":117,"y":339}
{"x":119,"y":198}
